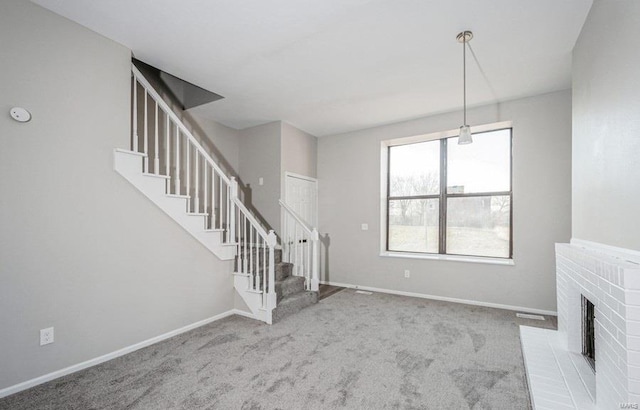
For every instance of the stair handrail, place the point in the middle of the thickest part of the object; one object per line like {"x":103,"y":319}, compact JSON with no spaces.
{"x":297,"y":217}
{"x":249,"y":215}
{"x":314,"y":235}
{"x":178,"y":122}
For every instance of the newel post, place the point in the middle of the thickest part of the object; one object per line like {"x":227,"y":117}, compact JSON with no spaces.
{"x":315,"y":262}
{"x":272,"y":241}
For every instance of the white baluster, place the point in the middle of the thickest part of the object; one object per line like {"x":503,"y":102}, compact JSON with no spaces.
{"x":187,"y":148}
{"x":315,"y":264}
{"x":264,"y":268}
{"x":156,"y":159}
{"x":146,"y":134}
{"x":296,"y":248}
{"x":251,"y":244}
{"x":196,"y":207}
{"x":206,"y":191}
{"x":166,"y":147}
{"x":251,"y":277}
{"x":213,"y":199}
{"x":221,"y":218}
{"x":136,"y":143}
{"x":177,"y":180}
{"x":243,"y":238}
{"x":307,"y":260}
{"x":232,"y":194}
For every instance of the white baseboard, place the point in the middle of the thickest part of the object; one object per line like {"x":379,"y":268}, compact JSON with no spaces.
{"x":245,"y":314}
{"x":121,"y":352}
{"x":445,"y":299}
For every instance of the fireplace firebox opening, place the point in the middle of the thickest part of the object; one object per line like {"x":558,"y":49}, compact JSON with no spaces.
{"x":588,"y":332}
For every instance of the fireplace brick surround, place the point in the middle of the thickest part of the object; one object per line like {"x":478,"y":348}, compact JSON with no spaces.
{"x":611,"y":282}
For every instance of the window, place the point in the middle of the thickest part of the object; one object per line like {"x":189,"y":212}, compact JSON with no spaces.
{"x":445,"y":198}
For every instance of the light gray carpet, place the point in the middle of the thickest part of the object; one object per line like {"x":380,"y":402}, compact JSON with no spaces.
{"x":348,"y":351}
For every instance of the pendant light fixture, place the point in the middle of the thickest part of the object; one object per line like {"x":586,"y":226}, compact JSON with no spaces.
{"x":465,"y":130}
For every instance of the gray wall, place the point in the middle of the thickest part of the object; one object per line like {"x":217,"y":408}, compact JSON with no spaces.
{"x":80,"y":248}
{"x":268,"y":151}
{"x":299,"y":151}
{"x":606,"y":126}
{"x":260,"y":156}
{"x":349,"y":179}
{"x":222,"y":142}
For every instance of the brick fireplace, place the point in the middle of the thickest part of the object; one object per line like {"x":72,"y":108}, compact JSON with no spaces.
{"x":593,"y":360}
{"x":612,"y":284}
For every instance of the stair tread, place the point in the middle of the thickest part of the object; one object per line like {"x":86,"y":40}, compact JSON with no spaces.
{"x":149,"y":174}
{"x":294,"y":297}
{"x":291,"y":279}
{"x":178,"y":196}
{"x":197,"y":214}
{"x":127,"y":151}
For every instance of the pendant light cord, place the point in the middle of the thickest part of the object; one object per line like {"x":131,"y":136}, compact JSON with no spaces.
{"x":464,"y":75}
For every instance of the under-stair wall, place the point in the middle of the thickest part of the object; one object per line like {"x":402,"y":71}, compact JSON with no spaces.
{"x":80,"y":249}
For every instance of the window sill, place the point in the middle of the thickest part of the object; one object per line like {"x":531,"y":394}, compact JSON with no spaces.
{"x":453,"y":258}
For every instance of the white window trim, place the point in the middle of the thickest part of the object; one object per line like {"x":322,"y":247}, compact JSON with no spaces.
{"x":384,"y":152}
{"x":453,"y":258}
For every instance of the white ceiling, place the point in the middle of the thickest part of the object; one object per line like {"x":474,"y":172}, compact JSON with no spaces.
{"x":330,"y":66}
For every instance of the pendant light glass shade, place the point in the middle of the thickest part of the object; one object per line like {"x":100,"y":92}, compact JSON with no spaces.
{"x":465,"y":135}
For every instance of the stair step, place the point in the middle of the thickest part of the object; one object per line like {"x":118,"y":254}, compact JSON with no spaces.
{"x":197,"y":214}
{"x":294,"y":303}
{"x":126,"y":151}
{"x":149,"y":174}
{"x":178,"y":196}
{"x":289,"y":286}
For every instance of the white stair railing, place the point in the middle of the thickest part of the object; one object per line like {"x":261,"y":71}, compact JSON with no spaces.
{"x":300,"y":247}
{"x":192,"y":173}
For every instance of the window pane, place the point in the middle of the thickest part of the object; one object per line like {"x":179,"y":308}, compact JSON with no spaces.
{"x":413,"y":225}
{"x":484,"y":166}
{"x":478,"y":226}
{"x":414,"y":169}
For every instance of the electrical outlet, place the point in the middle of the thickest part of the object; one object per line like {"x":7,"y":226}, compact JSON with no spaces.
{"x":46,"y":336}
{"x":260,"y":181}
{"x":407,"y":274}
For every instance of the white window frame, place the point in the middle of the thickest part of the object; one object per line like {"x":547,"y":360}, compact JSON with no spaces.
{"x":384,"y":171}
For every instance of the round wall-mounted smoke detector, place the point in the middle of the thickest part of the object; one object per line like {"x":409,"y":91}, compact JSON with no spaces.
{"x":20,"y":114}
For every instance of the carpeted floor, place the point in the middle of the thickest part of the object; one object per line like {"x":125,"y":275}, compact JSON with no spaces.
{"x":349,"y":351}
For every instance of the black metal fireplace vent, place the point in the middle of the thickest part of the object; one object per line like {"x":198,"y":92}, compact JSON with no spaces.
{"x":588,"y":332}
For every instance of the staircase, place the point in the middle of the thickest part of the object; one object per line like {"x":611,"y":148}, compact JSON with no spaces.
{"x":291,"y":290}
{"x":171,"y":168}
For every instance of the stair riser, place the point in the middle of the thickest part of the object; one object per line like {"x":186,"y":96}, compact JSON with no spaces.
{"x":283,"y":270}
{"x":288,"y":307}
{"x":289,"y":287}
{"x":255,"y":252}
{"x":129,"y":165}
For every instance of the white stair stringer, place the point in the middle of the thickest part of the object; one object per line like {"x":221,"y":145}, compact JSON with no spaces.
{"x":129,"y":165}
{"x":253,"y":299}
